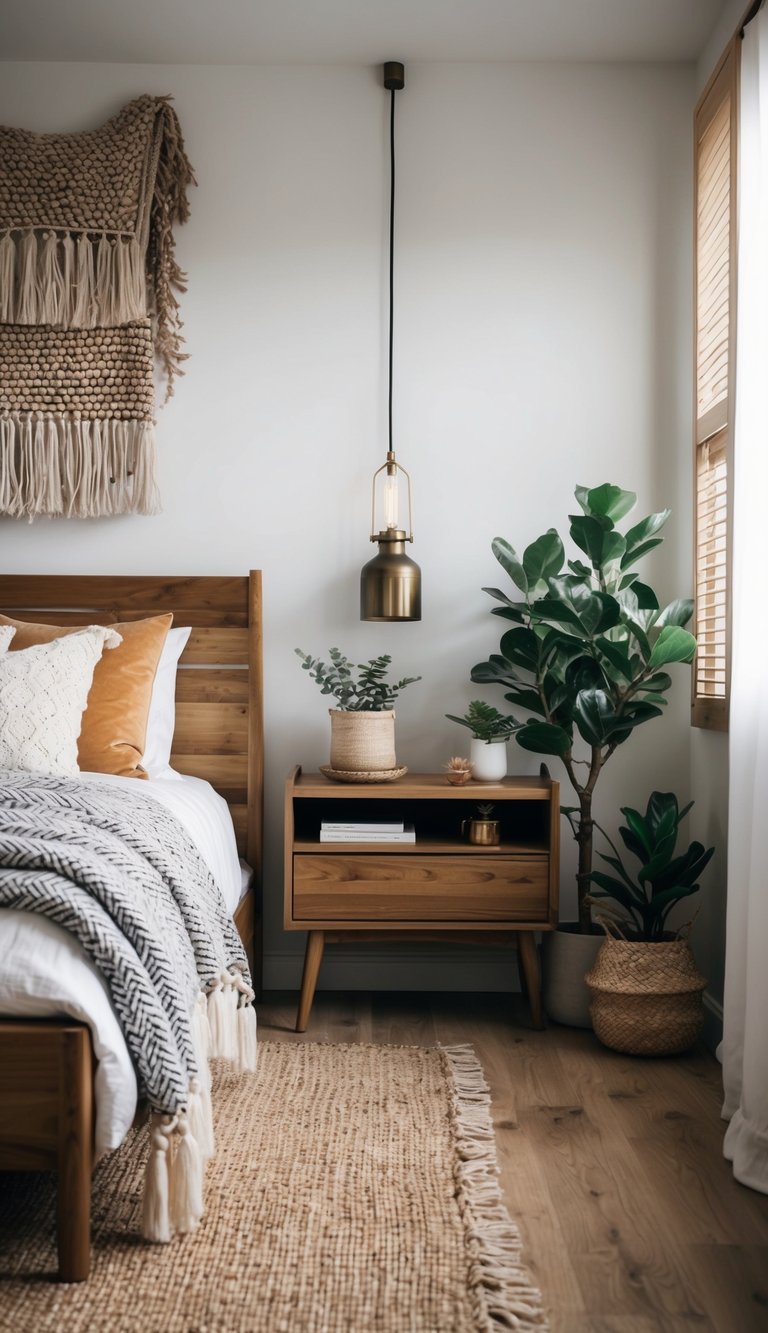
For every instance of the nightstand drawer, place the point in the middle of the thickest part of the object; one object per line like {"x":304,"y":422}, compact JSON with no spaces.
{"x":420,"y":888}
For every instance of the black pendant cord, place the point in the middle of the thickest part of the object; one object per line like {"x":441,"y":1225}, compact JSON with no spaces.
{"x":391,"y":248}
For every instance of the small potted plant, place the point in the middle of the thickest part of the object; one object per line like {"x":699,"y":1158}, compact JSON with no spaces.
{"x":490,"y":732}
{"x":458,"y":771}
{"x":363,"y":724}
{"x":645,"y":987}
{"x":482,"y":829}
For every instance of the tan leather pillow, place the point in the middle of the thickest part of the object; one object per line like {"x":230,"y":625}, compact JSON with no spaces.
{"x":114,"y":727}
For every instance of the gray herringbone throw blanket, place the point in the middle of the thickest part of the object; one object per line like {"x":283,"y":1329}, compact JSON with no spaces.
{"x":88,"y":282}
{"x":121,"y":874}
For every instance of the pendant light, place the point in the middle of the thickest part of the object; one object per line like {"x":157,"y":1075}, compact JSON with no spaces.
{"x":390,"y":584}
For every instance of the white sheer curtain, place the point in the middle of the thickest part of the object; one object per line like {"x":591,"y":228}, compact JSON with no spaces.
{"x":745,"y":1031}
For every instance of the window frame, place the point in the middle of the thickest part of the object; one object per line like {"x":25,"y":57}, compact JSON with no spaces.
{"x":711,"y":711}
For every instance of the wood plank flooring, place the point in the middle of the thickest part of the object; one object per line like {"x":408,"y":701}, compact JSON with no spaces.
{"x":612,"y":1167}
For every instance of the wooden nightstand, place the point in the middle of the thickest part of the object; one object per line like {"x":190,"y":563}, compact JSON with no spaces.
{"x":439,"y":887}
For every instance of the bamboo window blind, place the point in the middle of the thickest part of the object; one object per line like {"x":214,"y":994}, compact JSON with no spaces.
{"x":715,"y":309}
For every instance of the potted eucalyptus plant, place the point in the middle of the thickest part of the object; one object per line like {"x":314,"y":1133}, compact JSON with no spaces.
{"x":645,"y":987}
{"x":363,"y":723}
{"x":586,"y":657}
{"x":490,"y":732}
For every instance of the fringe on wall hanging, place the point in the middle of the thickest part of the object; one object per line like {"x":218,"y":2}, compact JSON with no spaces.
{"x":88,"y":302}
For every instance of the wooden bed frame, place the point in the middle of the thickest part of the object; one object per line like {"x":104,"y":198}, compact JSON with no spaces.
{"x":46,"y":1067}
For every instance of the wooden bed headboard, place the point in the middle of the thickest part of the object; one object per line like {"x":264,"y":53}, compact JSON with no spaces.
{"x":219,"y":690}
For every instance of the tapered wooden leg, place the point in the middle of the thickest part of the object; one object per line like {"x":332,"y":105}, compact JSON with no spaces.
{"x":75,"y":1157}
{"x":530,"y":974}
{"x":312,"y":960}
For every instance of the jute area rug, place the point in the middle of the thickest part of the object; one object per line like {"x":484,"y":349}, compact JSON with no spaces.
{"x":354,"y":1189}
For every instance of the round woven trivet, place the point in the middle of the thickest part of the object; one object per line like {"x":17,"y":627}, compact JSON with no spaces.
{"x":346,"y":775}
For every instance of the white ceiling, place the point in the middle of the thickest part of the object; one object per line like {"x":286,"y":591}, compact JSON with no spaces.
{"x":359,"y":31}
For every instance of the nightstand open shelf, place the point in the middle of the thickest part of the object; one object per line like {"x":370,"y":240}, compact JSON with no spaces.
{"x":438,"y":887}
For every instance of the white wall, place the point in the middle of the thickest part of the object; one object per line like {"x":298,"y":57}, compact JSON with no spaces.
{"x":542,"y":340}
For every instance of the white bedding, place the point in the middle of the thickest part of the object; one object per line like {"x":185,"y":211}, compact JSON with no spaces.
{"x":45,"y":973}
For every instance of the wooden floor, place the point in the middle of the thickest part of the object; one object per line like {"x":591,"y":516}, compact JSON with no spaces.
{"x":612,"y":1166}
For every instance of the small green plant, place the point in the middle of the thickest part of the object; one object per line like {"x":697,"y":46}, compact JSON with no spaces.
{"x":662,"y":879}
{"x":486,"y":722}
{"x":366,"y":692}
{"x":484,"y":810}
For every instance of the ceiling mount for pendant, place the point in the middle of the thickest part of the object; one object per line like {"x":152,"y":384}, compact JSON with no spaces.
{"x":390,"y":584}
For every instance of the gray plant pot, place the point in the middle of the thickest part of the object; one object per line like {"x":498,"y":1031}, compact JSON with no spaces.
{"x":567,"y":957}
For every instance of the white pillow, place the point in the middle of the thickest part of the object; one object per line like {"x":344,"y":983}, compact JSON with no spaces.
{"x":162,"y":709}
{"x":43,"y":693}
{"x":6,"y":634}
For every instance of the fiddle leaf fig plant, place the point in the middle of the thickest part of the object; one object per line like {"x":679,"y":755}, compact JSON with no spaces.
{"x":662,"y":879}
{"x":588,"y":646}
{"x":357,"y":689}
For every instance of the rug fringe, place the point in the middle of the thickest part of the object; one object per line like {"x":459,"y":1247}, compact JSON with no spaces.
{"x":504,"y":1295}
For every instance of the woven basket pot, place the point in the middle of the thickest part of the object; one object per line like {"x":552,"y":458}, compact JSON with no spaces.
{"x":646,"y":998}
{"x":362,"y":742}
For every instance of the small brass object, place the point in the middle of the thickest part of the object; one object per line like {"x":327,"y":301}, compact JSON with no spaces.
{"x":481,"y":832}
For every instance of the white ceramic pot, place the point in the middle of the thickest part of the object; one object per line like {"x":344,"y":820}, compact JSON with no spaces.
{"x":567,"y":957}
{"x":489,"y":760}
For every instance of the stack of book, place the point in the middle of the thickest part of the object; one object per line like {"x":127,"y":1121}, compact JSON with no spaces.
{"x":370,"y":831}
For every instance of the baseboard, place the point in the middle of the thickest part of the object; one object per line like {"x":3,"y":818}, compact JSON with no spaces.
{"x":713,"y":1021}
{"x":407,"y":969}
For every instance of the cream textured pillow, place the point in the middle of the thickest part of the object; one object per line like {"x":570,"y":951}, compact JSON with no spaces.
{"x":113,"y":734}
{"x":43,"y":693}
{"x":6,"y":634}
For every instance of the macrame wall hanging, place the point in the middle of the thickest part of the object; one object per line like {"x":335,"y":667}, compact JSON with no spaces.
{"x":88,"y":282}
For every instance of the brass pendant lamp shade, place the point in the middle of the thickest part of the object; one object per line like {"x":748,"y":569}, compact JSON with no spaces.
{"x":390,"y":584}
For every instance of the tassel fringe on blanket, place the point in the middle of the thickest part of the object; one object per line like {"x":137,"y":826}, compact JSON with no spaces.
{"x":223,"y":1026}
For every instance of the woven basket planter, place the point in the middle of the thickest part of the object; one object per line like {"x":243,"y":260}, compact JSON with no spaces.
{"x":646,"y":998}
{"x":362,"y":742}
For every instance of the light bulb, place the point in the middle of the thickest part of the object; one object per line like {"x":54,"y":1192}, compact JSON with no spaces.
{"x":391,"y":501}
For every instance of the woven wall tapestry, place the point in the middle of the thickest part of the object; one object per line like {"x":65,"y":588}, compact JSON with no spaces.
{"x":88,"y":282}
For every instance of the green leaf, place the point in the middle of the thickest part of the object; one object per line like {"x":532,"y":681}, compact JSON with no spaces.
{"x":587,"y":533}
{"x":583,"y":673}
{"x":543,"y":738}
{"x":613,"y":888}
{"x":607,"y":501}
{"x":617,"y":865}
{"x":578,"y":568}
{"x":509,"y":562}
{"x":526,"y":698}
{"x":639,"y":552}
{"x":639,"y":828}
{"x":521,"y":647}
{"x":673,"y":645}
{"x":678,"y":612}
{"x":594,"y":716}
{"x":646,"y":597}
{"x":618,"y":657}
{"x":556,"y":612}
{"x":657,"y":683}
{"x":496,"y":671}
{"x":613,"y":548}
{"x":543,"y":558}
{"x":647,"y":527}
{"x":661,"y":813}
